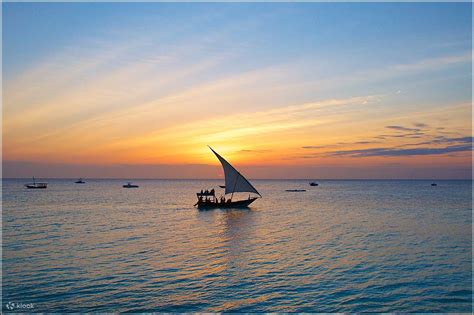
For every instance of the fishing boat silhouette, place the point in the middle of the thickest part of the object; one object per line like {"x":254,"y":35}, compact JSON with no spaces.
{"x":234,"y":183}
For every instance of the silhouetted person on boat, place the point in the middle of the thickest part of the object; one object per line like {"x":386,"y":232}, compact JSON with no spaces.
{"x":212,"y":191}
{"x":201,"y":191}
{"x":200,"y":198}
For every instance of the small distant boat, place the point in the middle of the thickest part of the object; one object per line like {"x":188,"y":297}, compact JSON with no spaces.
{"x":434,"y":184}
{"x":130,"y":185}
{"x":313,"y":184}
{"x":35,"y":185}
{"x":295,"y":190}
{"x":234,"y":183}
{"x":80,"y":181}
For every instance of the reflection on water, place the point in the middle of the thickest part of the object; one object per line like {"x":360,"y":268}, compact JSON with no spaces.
{"x":344,"y":246}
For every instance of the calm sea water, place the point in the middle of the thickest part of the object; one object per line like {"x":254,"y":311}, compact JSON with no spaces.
{"x":345,"y":246}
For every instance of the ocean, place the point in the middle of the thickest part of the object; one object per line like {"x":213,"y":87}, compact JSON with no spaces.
{"x":344,"y":246}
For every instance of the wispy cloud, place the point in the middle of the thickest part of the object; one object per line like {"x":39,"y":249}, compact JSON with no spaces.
{"x":442,"y":140}
{"x":401,"y":152}
{"x":433,"y":63}
{"x":401,"y":128}
{"x":250,"y":124}
{"x":448,"y":145}
{"x":403,"y":132}
{"x":340,"y":144}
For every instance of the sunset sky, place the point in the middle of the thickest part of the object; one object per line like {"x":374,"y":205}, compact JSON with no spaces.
{"x":308,"y":90}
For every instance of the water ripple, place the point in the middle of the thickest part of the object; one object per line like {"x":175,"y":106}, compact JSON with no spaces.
{"x":347,"y":246}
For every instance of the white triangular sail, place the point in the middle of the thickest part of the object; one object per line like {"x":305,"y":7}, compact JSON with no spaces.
{"x":234,"y":181}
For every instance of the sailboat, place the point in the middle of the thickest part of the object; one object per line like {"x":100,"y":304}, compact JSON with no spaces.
{"x":35,"y":185}
{"x":234,"y":183}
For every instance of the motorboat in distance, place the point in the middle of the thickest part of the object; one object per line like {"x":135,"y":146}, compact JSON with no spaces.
{"x":295,"y":190}
{"x":80,"y":181}
{"x":313,"y":184}
{"x":234,"y":183}
{"x":35,"y":185}
{"x":434,"y":184}
{"x":130,"y":185}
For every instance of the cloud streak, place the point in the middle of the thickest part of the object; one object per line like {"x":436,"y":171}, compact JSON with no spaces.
{"x":387,"y":152}
{"x":401,"y":128}
{"x":437,"y":145}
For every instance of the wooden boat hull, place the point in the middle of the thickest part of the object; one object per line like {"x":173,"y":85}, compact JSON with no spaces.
{"x":226,"y":205}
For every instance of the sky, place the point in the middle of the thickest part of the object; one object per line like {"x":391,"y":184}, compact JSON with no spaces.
{"x":281,"y":90}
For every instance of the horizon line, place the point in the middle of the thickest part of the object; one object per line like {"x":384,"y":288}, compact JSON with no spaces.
{"x":274,"y":179}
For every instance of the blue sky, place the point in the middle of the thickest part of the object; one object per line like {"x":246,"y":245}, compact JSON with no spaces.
{"x":373,"y":34}
{"x":155,"y":67}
